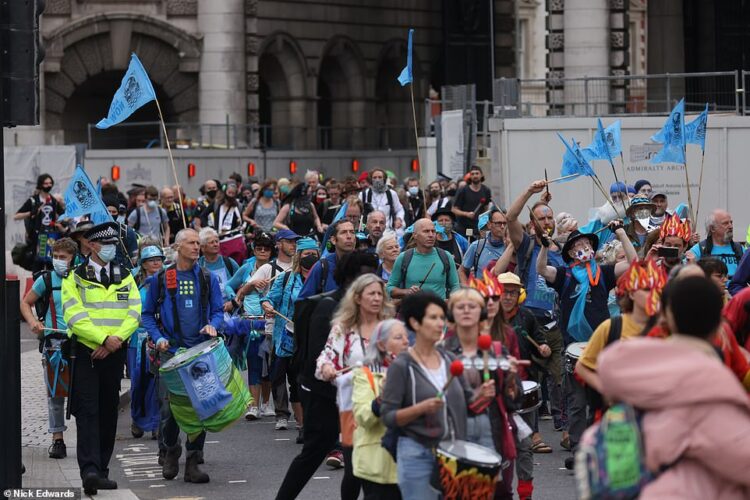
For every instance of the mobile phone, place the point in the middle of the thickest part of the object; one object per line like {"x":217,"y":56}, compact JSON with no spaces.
{"x":668,"y":252}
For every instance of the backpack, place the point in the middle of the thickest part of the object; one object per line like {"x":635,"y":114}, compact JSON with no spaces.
{"x":42,"y":304}
{"x":367,"y":199}
{"x":444,"y":259}
{"x":168,"y":277}
{"x":611,"y":458}
{"x":706,"y":247}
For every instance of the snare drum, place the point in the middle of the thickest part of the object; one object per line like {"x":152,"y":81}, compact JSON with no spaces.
{"x":572,"y":353}
{"x":467,"y":470}
{"x":532,"y":397}
{"x":206,"y":391}
{"x":232,"y":244}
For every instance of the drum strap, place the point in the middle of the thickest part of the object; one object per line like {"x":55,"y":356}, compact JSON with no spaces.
{"x":370,"y":378}
{"x":58,"y":364}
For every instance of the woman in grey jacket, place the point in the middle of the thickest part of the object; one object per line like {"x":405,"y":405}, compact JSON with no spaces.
{"x":415,"y":401}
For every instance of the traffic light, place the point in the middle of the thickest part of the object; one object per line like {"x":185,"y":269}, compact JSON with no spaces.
{"x":21,"y":53}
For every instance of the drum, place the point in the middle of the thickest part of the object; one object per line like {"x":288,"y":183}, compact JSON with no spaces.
{"x":206,"y":391}
{"x":572,"y":353}
{"x":232,"y":244}
{"x":467,"y":470}
{"x":532,"y":397}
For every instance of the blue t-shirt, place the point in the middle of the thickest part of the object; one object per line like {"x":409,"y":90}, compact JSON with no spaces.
{"x":489,"y":251}
{"x":40,"y":290}
{"x":541,"y":299}
{"x":219,"y":268}
{"x":723,"y":252}
{"x":188,"y":304}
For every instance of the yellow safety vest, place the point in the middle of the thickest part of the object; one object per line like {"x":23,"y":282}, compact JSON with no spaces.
{"x":93,"y":312}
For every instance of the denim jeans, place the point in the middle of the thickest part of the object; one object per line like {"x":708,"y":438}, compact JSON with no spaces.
{"x":414,"y":466}
{"x":56,"y":413}
{"x":479,"y":431}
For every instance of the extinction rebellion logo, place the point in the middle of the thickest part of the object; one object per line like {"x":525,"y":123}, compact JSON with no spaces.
{"x":132,"y":91}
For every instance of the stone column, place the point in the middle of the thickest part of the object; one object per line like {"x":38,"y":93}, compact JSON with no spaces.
{"x":586,"y":54}
{"x":222,"y":67}
{"x":666,"y":53}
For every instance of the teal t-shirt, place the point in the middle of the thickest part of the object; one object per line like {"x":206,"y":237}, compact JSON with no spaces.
{"x":40,"y":289}
{"x":219,"y":268}
{"x":721,"y":252}
{"x":419,"y":267}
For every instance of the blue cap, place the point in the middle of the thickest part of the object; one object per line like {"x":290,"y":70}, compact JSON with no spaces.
{"x":287,"y":234}
{"x":150,"y":252}
{"x":306,"y":244}
{"x":631,"y":190}
{"x":618,"y":187}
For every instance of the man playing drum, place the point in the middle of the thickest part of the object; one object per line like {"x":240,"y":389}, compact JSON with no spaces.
{"x":102,"y":310}
{"x":188,"y":292}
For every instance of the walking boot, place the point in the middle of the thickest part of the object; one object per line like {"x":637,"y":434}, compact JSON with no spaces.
{"x":171,"y":466}
{"x":192,"y":473}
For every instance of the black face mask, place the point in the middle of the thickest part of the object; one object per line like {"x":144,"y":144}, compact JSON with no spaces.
{"x":47,"y":189}
{"x":308,"y":261}
{"x":211,"y":194}
{"x":451,"y":192}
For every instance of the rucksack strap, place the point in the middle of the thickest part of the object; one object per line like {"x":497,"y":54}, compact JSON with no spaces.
{"x":324,"y":268}
{"x":615,"y":330}
{"x":47,"y":277}
{"x":227,"y":266}
{"x":205,"y":284}
{"x":370,"y":378}
{"x":477,"y":253}
{"x":171,"y":284}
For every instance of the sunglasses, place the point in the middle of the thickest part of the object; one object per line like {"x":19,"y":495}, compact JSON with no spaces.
{"x":264,"y":249}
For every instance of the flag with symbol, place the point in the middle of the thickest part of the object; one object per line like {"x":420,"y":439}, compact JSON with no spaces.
{"x":406,"y":76}
{"x":695,"y":131}
{"x":607,"y":143}
{"x":135,"y":91}
{"x":574,"y":162}
{"x":81,"y":199}
{"x":672,"y":135}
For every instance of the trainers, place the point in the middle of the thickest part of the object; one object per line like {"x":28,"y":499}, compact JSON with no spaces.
{"x":252,"y":413}
{"x":136,"y":431}
{"x":267,"y":411}
{"x":57,"y":449}
{"x":335,"y":459}
{"x":282,"y":424}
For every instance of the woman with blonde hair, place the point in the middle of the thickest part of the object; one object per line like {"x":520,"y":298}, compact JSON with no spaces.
{"x":364,"y":306}
{"x":387,"y":250}
{"x":370,"y":461}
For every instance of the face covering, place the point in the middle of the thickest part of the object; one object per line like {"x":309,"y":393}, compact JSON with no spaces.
{"x":152,"y":204}
{"x":308,"y":261}
{"x":60,"y":266}
{"x":47,"y":189}
{"x":284,"y":189}
{"x":434,"y":193}
{"x":414,"y":190}
{"x":268,"y":193}
{"x":107,"y":253}
{"x":584,"y":254}
{"x":378,"y":185}
{"x":211,"y":194}
{"x":451,"y":192}
{"x":320,"y":199}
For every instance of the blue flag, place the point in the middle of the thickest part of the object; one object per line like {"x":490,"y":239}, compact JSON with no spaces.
{"x":672,"y":135}
{"x":81,"y":199}
{"x":339,"y":215}
{"x":406,"y":76}
{"x":607,"y":143}
{"x":135,"y":91}
{"x":574,"y":163}
{"x":695,"y":131}
{"x":204,"y":387}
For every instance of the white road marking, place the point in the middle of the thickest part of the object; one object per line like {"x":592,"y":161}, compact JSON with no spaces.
{"x":238,"y":481}
{"x":321,"y":477}
{"x":158,"y":486}
{"x":281,"y":439}
{"x":211,"y":442}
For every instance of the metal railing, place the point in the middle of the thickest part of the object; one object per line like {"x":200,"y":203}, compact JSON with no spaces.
{"x":621,"y":95}
{"x":139,"y":135}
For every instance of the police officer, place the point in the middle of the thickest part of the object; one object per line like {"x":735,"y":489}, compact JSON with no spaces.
{"x":102,"y":309}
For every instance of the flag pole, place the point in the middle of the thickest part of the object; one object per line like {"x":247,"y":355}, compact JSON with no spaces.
{"x":687,"y":182}
{"x":700,"y":187}
{"x":622,"y":166}
{"x":598,"y":183}
{"x":416,"y":133}
{"x":171,"y":159}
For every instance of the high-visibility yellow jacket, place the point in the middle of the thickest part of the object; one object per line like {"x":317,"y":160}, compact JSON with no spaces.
{"x":93,"y":312}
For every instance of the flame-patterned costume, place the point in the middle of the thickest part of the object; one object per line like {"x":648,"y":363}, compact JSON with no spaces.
{"x":674,"y":226}
{"x":488,"y":286}
{"x":644,"y":275}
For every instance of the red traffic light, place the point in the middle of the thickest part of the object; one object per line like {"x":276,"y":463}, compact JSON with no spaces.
{"x":115,"y":172}
{"x":191,"y":170}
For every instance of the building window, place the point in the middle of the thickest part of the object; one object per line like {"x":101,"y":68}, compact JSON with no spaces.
{"x":523,"y":53}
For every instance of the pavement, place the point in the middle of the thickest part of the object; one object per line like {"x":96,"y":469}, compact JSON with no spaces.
{"x":248,"y":460}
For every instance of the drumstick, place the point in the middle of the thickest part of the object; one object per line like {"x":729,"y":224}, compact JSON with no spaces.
{"x":277,"y":313}
{"x":426,"y":275}
{"x":484,"y":342}
{"x":456,"y":370}
{"x":563,"y":178}
{"x":533,"y":342}
{"x":547,"y":181}
{"x":358,"y":364}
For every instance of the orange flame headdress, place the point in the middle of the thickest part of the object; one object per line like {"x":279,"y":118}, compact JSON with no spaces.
{"x":644,"y":275}
{"x":488,"y":286}
{"x":673,"y":226}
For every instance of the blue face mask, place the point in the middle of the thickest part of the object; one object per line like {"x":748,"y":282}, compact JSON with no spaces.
{"x":107,"y":253}
{"x":60,"y":266}
{"x":268,"y":193}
